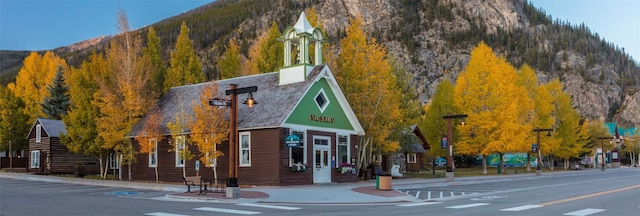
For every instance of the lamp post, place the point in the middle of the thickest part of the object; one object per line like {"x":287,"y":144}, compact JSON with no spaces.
{"x":450,"y":164}
{"x":539,"y":160}
{"x":603,"y":152}
{"x":233,"y":191}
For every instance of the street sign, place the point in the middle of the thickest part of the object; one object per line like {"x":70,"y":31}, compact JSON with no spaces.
{"x":219,"y":102}
{"x":197,"y":165}
{"x":441,"y":162}
{"x":534,"y":147}
{"x":444,"y":142}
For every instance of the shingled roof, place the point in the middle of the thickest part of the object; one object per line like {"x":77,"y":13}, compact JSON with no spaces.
{"x":53,"y":128}
{"x":275,"y":102}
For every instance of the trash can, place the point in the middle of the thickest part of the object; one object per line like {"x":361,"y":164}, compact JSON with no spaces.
{"x":367,"y":174}
{"x":383,"y":182}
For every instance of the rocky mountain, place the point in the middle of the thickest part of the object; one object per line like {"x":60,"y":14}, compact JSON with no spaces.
{"x":433,"y":38}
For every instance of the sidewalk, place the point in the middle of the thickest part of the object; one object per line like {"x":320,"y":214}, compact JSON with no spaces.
{"x":364,"y":192}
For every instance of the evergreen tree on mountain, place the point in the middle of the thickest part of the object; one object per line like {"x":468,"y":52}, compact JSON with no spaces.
{"x":271,"y":51}
{"x":186,"y":67}
{"x":57,"y":103}
{"x":159,"y":68}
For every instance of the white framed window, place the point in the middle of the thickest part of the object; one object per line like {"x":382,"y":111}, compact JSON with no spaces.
{"x":114,"y":163}
{"x":153,"y":154}
{"x":35,"y":159}
{"x":245,"y":149}
{"x":411,"y":157}
{"x":298,"y":155}
{"x":179,"y":151}
{"x":342,"y":150}
{"x":38,"y":133}
{"x":321,"y":100}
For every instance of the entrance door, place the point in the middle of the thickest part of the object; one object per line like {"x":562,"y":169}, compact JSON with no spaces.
{"x":321,"y":157}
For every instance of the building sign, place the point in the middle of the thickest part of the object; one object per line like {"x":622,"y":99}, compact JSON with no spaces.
{"x":324,"y":119}
{"x":292,"y":141}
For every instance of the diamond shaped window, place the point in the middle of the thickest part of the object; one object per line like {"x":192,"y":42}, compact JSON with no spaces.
{"x":321,"y":100}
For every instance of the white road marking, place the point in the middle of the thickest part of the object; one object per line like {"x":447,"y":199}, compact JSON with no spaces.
{"x":268,"y":206}
{"x":585,"y":212}
{"x":520,"y":208}
{"x":417,"y":194}
{"x":468,"y":205}
{"x":441,"y":196}
{"x":419,"y":204}
{"x":429,"y":195}
{"x":230,"y":211}
{"x":163,"y":214}
{"x":452,"y":195}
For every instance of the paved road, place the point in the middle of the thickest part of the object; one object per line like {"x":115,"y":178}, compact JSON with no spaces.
{"x":580,"y":193}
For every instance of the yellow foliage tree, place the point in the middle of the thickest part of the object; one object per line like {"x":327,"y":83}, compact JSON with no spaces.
{"x":32,"y":80}
{"x":151,"y":134}
{"x":365,"y":75}
{"x":178,"y":129}
{"x":125,"y":94}
{"x":497,"y":107}
{"x":208,"y":127}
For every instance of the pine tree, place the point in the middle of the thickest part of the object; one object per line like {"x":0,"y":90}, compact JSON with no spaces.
{"x":186,"y":67}
{"x":57,"y":103}
{"x":229,"y":64}
{"x":271,"y":51}
{"x":434,"y":127}
{"x":159,"y":68}
{"x":30,"y":86}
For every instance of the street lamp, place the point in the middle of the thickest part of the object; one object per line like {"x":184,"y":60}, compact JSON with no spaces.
{"x":450,"y":164}
{"x":233,"y":191}
{"x":539,"y":160}
{"x":603,"y":152}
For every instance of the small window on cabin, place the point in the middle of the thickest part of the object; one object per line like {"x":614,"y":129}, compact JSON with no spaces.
{"x":180,"y":151}
{"x":38,"y":133}
{"x":35,"y":159}
{"x":321,"y":100}
{"x":411,"y":157}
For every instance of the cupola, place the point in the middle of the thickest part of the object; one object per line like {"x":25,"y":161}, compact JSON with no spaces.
{"x":297,"y":61}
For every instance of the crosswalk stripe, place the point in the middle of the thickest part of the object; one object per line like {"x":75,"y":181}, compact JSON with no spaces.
{"x":419,"y":204}
{"x":585,"y":212}
{"x":268,"y":206}
{"x":468,"y":205}
{"x":230,"y":211}
{"x":520,"y":208}
{"x":163,"y":214}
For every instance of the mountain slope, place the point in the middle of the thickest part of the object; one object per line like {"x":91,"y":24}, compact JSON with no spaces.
{"x":433,"y":39}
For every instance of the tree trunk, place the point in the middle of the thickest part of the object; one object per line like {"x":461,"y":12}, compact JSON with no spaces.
{"x":551,"y":162}
{"x":484,"y":165}
{"x":156,"y":168}
{"x":528,"y":162}
{"x":501,"y":165}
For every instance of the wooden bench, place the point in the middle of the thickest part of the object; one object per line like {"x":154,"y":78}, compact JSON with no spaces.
{"x":192,"y":181}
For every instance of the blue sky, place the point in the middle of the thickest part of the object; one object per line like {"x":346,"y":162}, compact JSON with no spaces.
{"x":48,"y":24}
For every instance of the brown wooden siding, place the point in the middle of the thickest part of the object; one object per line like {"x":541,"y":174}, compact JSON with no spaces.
{"x":288,"y":177}
{"x":269,"y":161}
{"x":59,"y":159}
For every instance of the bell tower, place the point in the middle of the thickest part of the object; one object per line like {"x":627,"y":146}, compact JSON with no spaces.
{"x":297,"y":61}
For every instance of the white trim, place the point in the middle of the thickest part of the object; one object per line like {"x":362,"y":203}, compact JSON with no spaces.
{"x":304,"y":146}
{"x":38,"y":133}
{"x":411,"y":158}
{"x":114,"y":163}
{"x":322,"y":94}
{"x":346,"y":144}
{"x":153,"y":154}
{"x":35,"y":159}
{"x":180,"y":145}
{"x":242,"y":148}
